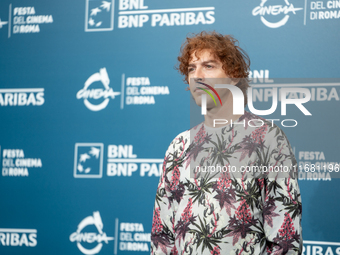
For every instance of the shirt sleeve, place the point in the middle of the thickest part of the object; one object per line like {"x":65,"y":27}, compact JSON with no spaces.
{"x":162,"y":233}
{"x":281,"y":199}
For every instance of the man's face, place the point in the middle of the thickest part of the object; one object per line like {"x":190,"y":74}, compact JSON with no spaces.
{"x":207,"y":69}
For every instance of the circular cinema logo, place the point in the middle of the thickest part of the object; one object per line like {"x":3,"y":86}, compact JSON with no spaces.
{"x":81,"y":236}
{"x":100,"y":95}
{"x":280,"y":12}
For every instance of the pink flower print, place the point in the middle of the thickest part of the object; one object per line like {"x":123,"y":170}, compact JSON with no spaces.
{"x":261,"y":182}
{"x":175,"y":178}
{"x":287,"y":228}
{"x":157,"y":226}
{"x":223,"y":184}
{"x":187,"y":213}
{"x":174,"y":251}
{"x":215,"y":251}
{"x":243,"y":212}
{"x":259,"y":134}
{"x":200,"y":136}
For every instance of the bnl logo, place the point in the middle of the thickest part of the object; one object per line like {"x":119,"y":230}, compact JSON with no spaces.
{"x":99,"y":15}
{"x":88,"y":160}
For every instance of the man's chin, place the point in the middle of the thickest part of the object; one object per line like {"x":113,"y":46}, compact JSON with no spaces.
{"x":209,"y":105}
{"x":198,"y":102}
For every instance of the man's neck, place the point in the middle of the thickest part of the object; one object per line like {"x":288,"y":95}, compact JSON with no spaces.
{"x":223,"y":112}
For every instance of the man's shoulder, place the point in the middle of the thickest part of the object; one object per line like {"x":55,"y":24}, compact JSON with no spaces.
{"x":266,"y":128}
{"x":182,"y":141}
{"x":256,"y":121}
{"x":251,"y":119}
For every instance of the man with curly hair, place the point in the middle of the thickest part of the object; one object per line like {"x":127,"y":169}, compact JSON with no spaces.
{"x":227,"y":188}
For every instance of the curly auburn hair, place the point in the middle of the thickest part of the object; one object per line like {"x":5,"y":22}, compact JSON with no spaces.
{"x":235,"y":61}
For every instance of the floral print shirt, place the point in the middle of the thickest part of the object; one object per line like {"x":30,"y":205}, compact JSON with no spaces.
{"x":226,"y":212}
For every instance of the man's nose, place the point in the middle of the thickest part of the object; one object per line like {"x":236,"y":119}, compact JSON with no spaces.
{"x":198,"y":76}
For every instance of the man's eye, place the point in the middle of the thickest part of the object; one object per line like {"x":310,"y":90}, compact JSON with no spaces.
{"x":190,"y":70}
{"x":209,"y":66}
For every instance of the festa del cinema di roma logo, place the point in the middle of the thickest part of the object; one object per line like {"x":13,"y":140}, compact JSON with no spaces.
{"x":101,"y":95}
{"x":275,"y":10}
{"x":79,"y":236}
